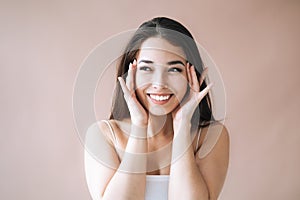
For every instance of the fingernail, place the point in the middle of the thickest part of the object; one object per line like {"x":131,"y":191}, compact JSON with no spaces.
{"x":134,"y":61}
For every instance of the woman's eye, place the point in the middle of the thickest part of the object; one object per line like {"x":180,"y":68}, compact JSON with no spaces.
{"x":175,"y":69}
{"x":144,"y":68}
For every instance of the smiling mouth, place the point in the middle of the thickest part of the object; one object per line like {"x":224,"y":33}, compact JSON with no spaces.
{"x":159,"y":98}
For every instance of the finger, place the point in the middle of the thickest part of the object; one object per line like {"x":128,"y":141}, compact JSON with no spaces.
{"x":134,"y":67}
{"x":205,"y":91}
{"x":196,"y":85}
{"x":134,"y":64}
{"x":203,"y":75}
{"x":129,"y":81}
{"x":189,"y":73}
{"x":124,"y":87}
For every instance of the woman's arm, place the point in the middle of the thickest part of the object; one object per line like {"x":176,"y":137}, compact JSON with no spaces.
{"x":129,"y":181}
{"x":110,"y":178}
{"x":186,"y":181}
{"x":214,"y":166}
{"x":194,"y":178}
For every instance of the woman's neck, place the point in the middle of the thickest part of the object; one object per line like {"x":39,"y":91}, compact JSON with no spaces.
{"x":159,"y":125}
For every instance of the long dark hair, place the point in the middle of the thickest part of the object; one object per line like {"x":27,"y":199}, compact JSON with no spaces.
{"x":176,"y":34}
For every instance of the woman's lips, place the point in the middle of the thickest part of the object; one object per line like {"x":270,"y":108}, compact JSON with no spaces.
{"x":159,"y":98}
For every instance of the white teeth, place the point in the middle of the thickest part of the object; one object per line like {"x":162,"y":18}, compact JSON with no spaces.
{"x":159,"y":97}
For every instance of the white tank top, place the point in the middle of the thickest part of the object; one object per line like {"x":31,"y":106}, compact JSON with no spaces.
{"x":157,"y":187}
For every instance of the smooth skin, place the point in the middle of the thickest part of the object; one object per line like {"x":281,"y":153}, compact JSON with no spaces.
{"x":190,"y":177}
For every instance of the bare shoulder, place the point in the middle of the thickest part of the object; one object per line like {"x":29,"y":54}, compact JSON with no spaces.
{"x":213,"y":158}
{"x":213,"y":137}
{"x":223,"y":135}
{"x":120,"y":127}
{"x":98,"y":131}
{"x":99,"y":126}
{"x":216,"y":126}
{"x":116,"y":131}
{"x":223,"y":139}
{"x":220,"y":129}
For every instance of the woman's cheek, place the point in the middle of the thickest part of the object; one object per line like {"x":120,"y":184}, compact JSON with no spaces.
{"x":178,"y":82}
{"x":142,"y":80}
{"x":180,"y":86}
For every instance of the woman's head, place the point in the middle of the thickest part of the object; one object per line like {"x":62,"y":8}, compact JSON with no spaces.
{"x":181,"y":44}
{"x":161,"y":76}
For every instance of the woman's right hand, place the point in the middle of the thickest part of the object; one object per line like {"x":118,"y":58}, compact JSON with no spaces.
{"x":139,"y":116}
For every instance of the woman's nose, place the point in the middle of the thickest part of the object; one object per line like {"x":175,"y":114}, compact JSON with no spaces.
{"x":159,"y":81}
{"x":158,"y":86}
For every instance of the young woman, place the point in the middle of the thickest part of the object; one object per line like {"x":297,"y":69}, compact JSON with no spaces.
{"x":161,"y":141}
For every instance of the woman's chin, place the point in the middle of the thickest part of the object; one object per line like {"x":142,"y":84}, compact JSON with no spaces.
{"x":158,"y":111}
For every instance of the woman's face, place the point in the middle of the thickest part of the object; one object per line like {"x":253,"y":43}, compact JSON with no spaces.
{"x":161,"y":76}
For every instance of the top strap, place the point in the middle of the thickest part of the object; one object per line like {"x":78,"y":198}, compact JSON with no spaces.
{"x":111,"y":130}
{"x":198,"y":139}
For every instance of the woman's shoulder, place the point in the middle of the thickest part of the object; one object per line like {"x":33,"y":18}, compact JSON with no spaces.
{"x":115,"y":130}
{"x":102,"y":126}
{"x":119,"y":126}
{"x":216,"y":126}
{"x":210,"y":136}
{"x":109,"y":125}
{"x":100,"y":129}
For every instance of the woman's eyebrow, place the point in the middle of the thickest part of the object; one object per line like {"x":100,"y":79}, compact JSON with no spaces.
{"x":168,"y":63}
{"x":175,"y":62}
{"x":146,"y":61}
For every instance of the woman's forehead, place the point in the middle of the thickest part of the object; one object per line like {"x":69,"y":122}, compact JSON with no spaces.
{"x":160,"y":50}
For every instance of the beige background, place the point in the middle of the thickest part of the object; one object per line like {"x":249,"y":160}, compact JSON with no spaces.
{"x":255,"y":44}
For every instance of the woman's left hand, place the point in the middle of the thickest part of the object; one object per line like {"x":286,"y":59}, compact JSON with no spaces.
{"x":185,"y":110}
